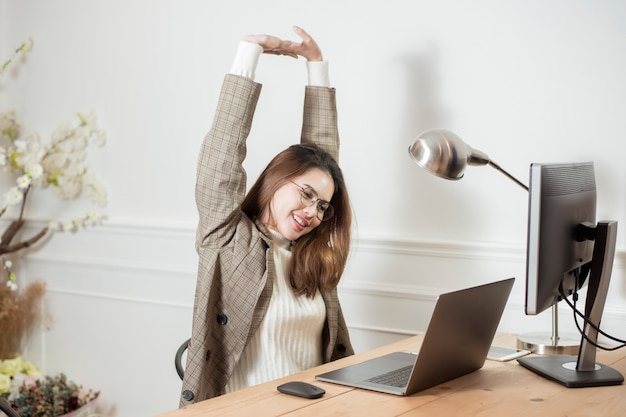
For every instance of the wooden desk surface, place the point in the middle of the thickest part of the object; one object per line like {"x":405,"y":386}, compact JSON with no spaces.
{"x":497,"y":389}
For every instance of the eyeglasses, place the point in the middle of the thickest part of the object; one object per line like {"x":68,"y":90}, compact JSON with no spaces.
{"x":308,"y":197}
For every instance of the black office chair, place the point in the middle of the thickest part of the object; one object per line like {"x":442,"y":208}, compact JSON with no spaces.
{"x":178,"y":359}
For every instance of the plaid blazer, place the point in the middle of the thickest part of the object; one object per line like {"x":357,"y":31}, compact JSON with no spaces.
{"x":235,"y":272}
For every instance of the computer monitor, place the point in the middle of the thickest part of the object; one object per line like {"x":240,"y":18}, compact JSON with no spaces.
{"x":565,"y":245}
{"x":561,"y":197}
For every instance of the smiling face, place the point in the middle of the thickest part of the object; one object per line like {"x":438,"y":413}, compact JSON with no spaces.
{"x":287,"y":215}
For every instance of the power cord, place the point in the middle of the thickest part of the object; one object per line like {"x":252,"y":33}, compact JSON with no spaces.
{"x":577,"y":314}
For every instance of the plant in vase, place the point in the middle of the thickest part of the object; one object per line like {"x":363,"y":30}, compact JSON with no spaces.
{"x":19,"y":313}
{"x":28,"y":164}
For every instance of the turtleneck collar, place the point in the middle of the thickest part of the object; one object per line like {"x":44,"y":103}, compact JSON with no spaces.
{"x":278,"y":239}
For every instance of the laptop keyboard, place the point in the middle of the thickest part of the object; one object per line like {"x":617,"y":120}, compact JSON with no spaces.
{"x":396,"y":378}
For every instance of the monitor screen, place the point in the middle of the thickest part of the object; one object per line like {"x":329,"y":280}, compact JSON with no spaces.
{"x":561,"y":198}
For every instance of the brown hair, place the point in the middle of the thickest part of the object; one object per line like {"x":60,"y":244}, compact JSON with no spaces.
{"x":319,"y":257}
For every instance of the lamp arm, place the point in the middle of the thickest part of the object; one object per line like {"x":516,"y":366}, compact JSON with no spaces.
{"x":511,"y":177}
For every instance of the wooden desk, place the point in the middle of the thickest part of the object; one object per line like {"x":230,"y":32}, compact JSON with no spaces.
{"x":497,"y":389}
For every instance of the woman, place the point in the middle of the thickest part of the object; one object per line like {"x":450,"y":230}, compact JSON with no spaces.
{"x":266,"y":302}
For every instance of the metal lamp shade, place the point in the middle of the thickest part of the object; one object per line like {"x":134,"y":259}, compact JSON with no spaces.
{"x":441,"y":152}
{"x":444,"y":154}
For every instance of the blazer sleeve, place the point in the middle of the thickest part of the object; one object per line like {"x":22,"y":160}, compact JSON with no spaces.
{"x":319,"y":122}
{"x":221,"y":178}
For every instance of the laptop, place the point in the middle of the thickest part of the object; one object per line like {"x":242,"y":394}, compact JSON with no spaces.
{"x":456,"y":343}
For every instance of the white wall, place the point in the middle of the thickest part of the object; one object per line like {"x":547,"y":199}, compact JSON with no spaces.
{"x":532,"y":81}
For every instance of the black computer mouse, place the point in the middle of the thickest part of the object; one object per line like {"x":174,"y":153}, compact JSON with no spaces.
{"x":301,"y":389}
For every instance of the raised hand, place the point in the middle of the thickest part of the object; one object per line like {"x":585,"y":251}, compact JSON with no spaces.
{"x":272,"y":45}
{"x":308,"y":48}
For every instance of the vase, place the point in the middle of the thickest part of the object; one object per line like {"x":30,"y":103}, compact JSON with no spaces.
{"x":20,"y":312}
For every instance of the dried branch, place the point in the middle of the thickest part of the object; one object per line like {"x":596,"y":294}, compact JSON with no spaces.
{"x":9,"y":234}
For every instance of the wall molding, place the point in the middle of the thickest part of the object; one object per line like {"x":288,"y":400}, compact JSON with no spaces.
{"x":502,"y":251}
{"x":368,"y":242}
{"x":133,"y":300}
{"x":113,"y":263}
{"x":182,"y":270}
{"x":163,"y":236}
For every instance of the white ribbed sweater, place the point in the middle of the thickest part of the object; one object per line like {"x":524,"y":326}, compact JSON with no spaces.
{"x":289,"y":339}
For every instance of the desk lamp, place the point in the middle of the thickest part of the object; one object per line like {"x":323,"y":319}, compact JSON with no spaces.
{"x":444,"y":154}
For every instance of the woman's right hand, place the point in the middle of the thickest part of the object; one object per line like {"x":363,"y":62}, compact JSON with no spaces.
{"x":272,"y":45}
{"x":308,"y":48}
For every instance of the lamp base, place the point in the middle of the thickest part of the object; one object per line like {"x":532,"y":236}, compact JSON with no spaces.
{"x":542,"y":344}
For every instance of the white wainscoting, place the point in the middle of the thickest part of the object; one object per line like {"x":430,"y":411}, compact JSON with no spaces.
{"x":120,"y":300}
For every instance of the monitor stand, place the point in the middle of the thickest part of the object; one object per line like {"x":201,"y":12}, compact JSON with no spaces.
{"x":554,"y":344}
{"x":583,"y":371}
{"x":562,"y":369}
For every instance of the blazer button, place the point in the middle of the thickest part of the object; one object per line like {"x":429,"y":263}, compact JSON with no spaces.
{"x":187,"y":395}
{"x":222,"y":319}
{"x":341,"y":348}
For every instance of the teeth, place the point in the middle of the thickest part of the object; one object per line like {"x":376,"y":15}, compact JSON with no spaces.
{"x":299,"y":221}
